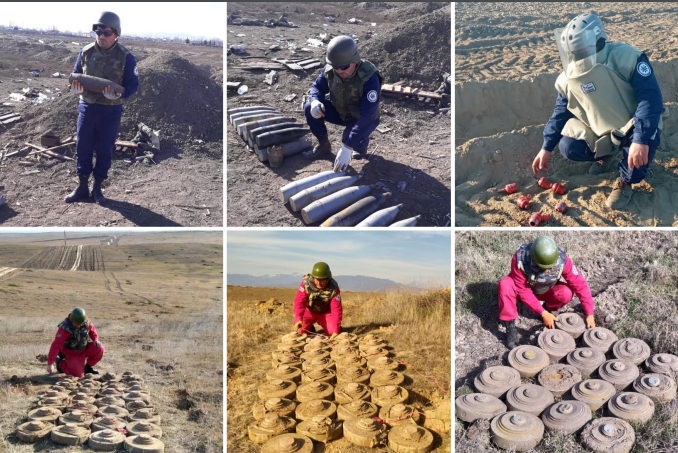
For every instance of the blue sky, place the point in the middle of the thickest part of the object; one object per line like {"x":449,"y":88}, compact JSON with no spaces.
{"x":402,"y":256}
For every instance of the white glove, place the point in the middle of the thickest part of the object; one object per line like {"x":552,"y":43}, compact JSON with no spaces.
{"x":110,"y":94}
{"x":50,"y":369}
{"x":317,"y":109}
{"x":76,"y":87}
{"x":343,"y":158}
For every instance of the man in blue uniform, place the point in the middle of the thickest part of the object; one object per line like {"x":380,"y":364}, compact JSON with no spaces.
{"x":608,"y":100}
{"x":354,"y":86}
{"x":100,"y":112}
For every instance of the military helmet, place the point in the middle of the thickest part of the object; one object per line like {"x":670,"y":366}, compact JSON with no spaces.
{"x":576,"y":27}
{"x":321,"y":271}
{"x":78,"y":316}
{"x":341,"y":51}
{"x":544,"y":252}
{"x":108,"y":19}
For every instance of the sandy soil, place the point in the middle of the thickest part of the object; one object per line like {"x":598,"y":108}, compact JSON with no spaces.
{"x":414,"y":152}
{"x":506,"y":65}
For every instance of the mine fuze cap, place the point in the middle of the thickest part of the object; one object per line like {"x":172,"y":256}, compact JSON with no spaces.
{"x":544,"y":252}
{"x":78,"y":316}
{"x":342,"y":51}
{"x":321,"y":271}
{"x":108,"y":19}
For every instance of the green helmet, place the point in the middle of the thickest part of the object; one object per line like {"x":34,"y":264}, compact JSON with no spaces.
{"x":341,"y":51}
{"x":78,"y":316}
{"x":108,"y":19}
{"x":544,"y":252}
{"x":321,"y":271}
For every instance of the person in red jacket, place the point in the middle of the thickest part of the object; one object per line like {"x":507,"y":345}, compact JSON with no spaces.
{"x":318,"y":300}
{"x":545,"y":280}
{"x":76,"y":347}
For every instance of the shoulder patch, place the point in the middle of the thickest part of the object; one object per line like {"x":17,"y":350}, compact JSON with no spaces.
{"x":588,"y":88}
{"x":58,"y":335}
{"x":574,"y":270}
{"x":644,"y":69}
{"x":301,"y":288}
{"x":372,"y":96}
{"x":136,"y":71}
{"x":338,"y":297}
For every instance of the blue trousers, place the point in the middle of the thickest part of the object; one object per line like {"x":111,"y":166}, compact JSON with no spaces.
{"x":579,"y":151}
{"x":319,"y":129}
{"x":97,"y":130}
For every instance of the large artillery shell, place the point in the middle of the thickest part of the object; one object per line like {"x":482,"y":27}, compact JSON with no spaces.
{"x":517,"y":430}
{"x":248,"y":114}
{"x":281,"y":136}
{"x":144,"y":444}
{"x":307,"y":196}
{"x":97,"y":84}
{"x":631,"y":349}
{"x":322,"y":209}
{"x":246,"y":109}
{"x":270,"y":426}
{"x":254,"y":133}
{"x":608,"y":435}
{"x":357,"y":212}
{"x":412,"y":221}
{"x":410,"y":439}
{"x":245,"y":128}
{"x":473,"y":406}
{"x":297,"y":186}
{"x":566,"y":417}
{"x":33,"y":431}
{"x":253,"y":117}
{"x":593,"y":392}
{"x":383,"y":217}
{"x":106,"y":440}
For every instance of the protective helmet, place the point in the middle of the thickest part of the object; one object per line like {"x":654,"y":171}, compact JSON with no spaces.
{"x":108,"y":19}
{"x":341,"y":51}
{"x":544,"y":252}
{"x":321,"y":271}
{"x":78,"y":316}
{"x":577,"y":28}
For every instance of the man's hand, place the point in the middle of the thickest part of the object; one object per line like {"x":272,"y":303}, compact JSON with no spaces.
{"x":110,"y":94}
{"x":50,"y":369}
{"x":343,"y":158}
{"x":540,"y":162}
{"x":97,"y":344}
{"x":76,"y":87}
{"x":317,"y":109}
{"x":638,"y":155}
{"x":549,"y":319}
{"x":590,"y":322}
{"x":297,"y":326}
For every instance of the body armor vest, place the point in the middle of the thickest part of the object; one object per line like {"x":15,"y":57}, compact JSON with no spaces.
{"x":319,"y":300}
{"x":540,"y":280}
{"x":108,"y":64}
{"x":79,"y":336}
{"x":346,"y":94}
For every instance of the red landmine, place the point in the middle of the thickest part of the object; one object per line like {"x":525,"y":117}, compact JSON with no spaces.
{"x":106,"y":440}
{"x":560,"y":207}
{"x":364,"y":432}
{"x":586,"y":360}
{"x":277,"y":388}
{"x":632,"y":407}
{"x":599,"y":338}
{"x":320,"y":428}
{"x":313,"y":408}
{"x":523,"y":202}
{"x":386,"y":377}
{"x":315,"y":391}
{"x":358,"y":408}
{"x":544,"y":183}
{"x":558,"y":188}
{"x":496,"y":380}
{"x":281,"y":406}
{"x":289,"y":443}
{"x":631,"y":349}
{"x":530,"y":398}
{"x":517,"y":430}
{"x":389,"y":394}
{"x":528,"y":360}
{"x":608,"y":435}
{"x":509,"y":188}
{"x":618,"y":372}
{"x":400,"y":414}
{"x":572,"y":323}
{"x":34,"y":431}
{"x":660,"y":388}
{"x":270,"y":426}
{"x":559,"y":378}
{"x":472,"y":406}
{"x":537,"y":218}
{"x":566,"y":417}
{"x":556,"y":343}
{"x":410,"y":439}
{"x":593,"y":392}
{"x":347,"y":392}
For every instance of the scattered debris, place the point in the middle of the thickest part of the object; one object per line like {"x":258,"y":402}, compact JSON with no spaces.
{"x":232,"y":85}
{"x":290,"y":97}
{"x":238,"y":49}
{"x":384,"y":129}
{"x":243,"y":89}
{"x":271,"y":78}
{"x":314,"y":42}
{"x":10,"y":118}
{"x":353,"y":20}
{"x":58,"y":75}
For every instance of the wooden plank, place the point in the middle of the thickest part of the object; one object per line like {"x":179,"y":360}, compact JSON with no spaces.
{"x":312,"y":65}
{"x":128,"y":144}
{"x":9,"y":115}
{"x":232,"y":85}
{"x":306,"y":61}
{"x":11,"y":120}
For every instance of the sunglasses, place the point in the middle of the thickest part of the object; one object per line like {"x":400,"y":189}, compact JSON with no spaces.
{"x":342,"y":68}
{"x":106,"y":33}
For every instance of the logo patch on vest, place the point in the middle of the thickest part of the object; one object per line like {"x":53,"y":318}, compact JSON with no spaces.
{"x":372,"y":96}
{"x":136,"y":71}
{"x":644,"y":69}
{"x":588,"y":88}
{"x":301,"y":288}
{"x":575,"y":271}
{"x":338,"y":297}
{"x":58,"y":335}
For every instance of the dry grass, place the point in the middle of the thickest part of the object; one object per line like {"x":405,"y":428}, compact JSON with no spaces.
{"x":416,"y":325}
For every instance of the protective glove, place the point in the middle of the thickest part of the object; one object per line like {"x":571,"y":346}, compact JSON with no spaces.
{"x":590,"y":322}
{"x":343,"y":158}
{"x":549,"y":319}
{"x":97,"y":344}
{"x":110,"y":94}
{"x":51,"y":369}
{"x":76,"y":87}
{"x":317,"y":109}
{"x":297,"y":326}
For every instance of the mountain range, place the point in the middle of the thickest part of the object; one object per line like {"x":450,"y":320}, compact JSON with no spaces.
{"x":346,"y":282}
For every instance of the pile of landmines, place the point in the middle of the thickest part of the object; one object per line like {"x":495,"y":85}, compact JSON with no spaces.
{"x":269,"y":134}
{"x":107,"y":413}
{"x":524,"y":202}
{"x":329,"y":197}
{"x":579,"y":372}
{"x":320,"y":390}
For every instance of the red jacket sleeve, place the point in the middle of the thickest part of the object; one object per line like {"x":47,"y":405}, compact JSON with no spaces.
{"x":300,"y":303}
{"x":523,"y":289}
{"x":578,"y":285}
{"x":59,"y":339}
{"x":93,"y":332}
{"x":336,"y":314}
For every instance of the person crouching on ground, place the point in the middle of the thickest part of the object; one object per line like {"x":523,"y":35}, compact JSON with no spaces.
{"x":318,"y":300}
{"x":76,"y":347}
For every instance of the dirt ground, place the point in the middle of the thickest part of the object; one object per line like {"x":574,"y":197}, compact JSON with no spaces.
{"x":505,"y":69}
{"x":410,"y":43}
{"x":633,"y":289}
{"x":157,"y":308}
{"x":180,"y":94}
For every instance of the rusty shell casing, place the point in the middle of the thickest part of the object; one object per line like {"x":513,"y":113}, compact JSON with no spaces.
{"x":297,"y":186}
{"x":381,"y":218}
{"x":307,"y":196}
{"x":357,"y":212}
{"x":97,"y":84}
{"x":321,"y":209}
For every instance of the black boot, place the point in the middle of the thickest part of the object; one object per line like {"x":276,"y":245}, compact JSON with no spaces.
{"x":323,"y":148}
{"x":359,"y":154}
{"x":81,"y":192}
{"x":57,"y":361}
{"x":96,"y":191}
{"x":511,"y":333}
{"x":90,"y":370}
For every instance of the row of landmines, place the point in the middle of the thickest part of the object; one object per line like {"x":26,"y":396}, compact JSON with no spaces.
{"x":320,"y":390}
{"x":514,"y":408}
{"x":106,"y":414}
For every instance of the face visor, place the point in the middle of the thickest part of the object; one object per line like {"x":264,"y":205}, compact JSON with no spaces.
{"x":577,"y":50}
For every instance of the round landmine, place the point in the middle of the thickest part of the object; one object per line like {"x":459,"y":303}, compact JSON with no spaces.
{"x":496,"y":380}
{"x":109,"y":377}
{"x":316,"y":344}
{"x":102,"y":423}
{"x":83,"y":398}
{"x":474,"y":406}
{"x":284,"y":372}
{"x":54,"y":396}
{"x":559,"y":378}
{"x":315,"y":391}
{"x":69,"y":383}
{"x":82,"y":406}
{"x":530,"y":398}
{"x":280,"y":406}
{"x":277,"y":355}
{"x":389,"y":394}
{"x":34,"y":431}
{"x":386,"y":377}
{"x":287,"y":359}
{"x":586,"y":360}
{"x":91,"y":389}
{"x":287,"y":348}
{"x":277,"y":388}
{"x":348,"y":361}
{"x":148,"y":415}
{"x":140,"y":389}
{"x":366,"y":345}
{"x":316,"y":354}
{"x":320,"y":428}
{"x":364,"y":432}
{"x":378,"y":351}
{"x":528,"y":360}
{"x":618,"y":372}
{"x":288,"y":443}
{"x":319,"y":375}
{"x":109,"y":401}
{"x":632,"y":407}
{"x":115,"y":392}
{"x":599,"y":338}
{"x":341,"y":351}
{"x":115,"y":411}
{"x":313,"y":408}
{"x":298,"y":344}
{"x":351,"y":391}
{"x":58,"y":388}
{"x":106,"y":440}
{"x":556,"y":343}
{"x":134,"y":396}
{"x":56,"y":403}
{"x":346,"y":336}
{"x":324,"y":363}
{"x":270,"y":426}
{"x":382,"y":363}
{"x":135,"y":405}
{"x":144,"y":444}
{"x":572,"y":323}
{"x":353,"y":374}
{"x":78,"y":418}
{"x":410,"y":439}
{"x":608,"y":435}
{"x":399,"y":413}
{"x":517,"y":430}
{"x":663,"y":363}
{"x":593,"y":392}
{"x":369,"y":338}
{"x":344,"y":343}
{"x":631,"y":349}
{"x":566,"y":417}
{"x":117,"y":386}
{"x":143,"y":427}
{"x":135,"y":381}
{"x":70,"y":434}
{"x":658,"y":387}
{"x":293,"y":337}
{"x":358,"y":408}
{"x":44,"y":414}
